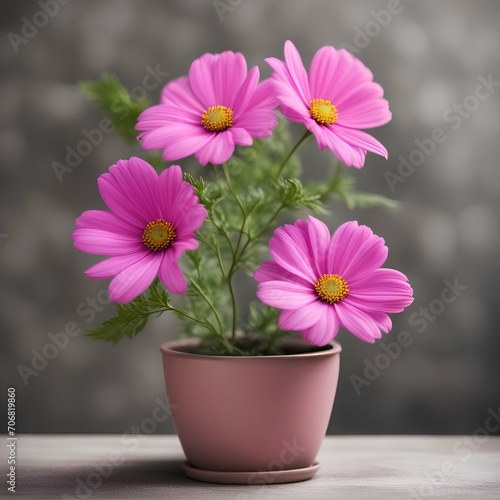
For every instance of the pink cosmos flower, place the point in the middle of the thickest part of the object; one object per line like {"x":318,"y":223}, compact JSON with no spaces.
{"x":324,"y":282}
{"x":335,"y":101}
{"x":152,"y":222}
{"x":210,"y":111}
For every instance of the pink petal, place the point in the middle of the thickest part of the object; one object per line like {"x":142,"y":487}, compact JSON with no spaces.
{"x":382,"y":277}
{"x":297,"y":71}
{"x":351,"y":156}
{"x":288,"y":96}
{"x":174,"y":195}
{"x":135,"y":279}
{"x":178,"y":203}
{"x":201,"y":80}
{"x":357,"y":322}
{"x":171,"y":275}
{"x":294,"y":115}
{"x":385,"y":290}
{"x":218,"y":150}
{"x":241,"y":136}
{"x":325,"y":329}
{"x":178,"y":140}
{"x":185,"y":144}
{"x":163,"y":114}
{"x":300,"y":319}
{"x":259,"y":122}
{"x":349,"y":72}
{"x":229,"y":71}
{"x":354,"y":251}
{"x":319,"y":237}
{"x":189,"y":222}
{"x":182,"y":245}
{"x":96,"y":241}
{"x":282,"y":75}
{"x":342,"y":245}
{"x":269,"y":271}
{"x":360,"y":139}
{"x":109,"y":268}
{"x":106,"y":221}
{"x":368,"y":114}
{"x":285,"y":295}
{"x":370,"y":254}
{"x":178,"y":93}
{"x":359,"y":93}
{"x":263,"y":97}
{"x":387,"y":303}
{"x":290,"y":249}
{"x":322,"y":73}
{"x":382,"y":321}
{"x":245,"y":93}
{"x":129,"y":190}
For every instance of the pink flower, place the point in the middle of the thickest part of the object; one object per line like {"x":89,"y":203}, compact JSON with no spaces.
{"x":335,"y":101}
{"x":152,"y":222}
{"x":322,"y":283}
{"x":210,"y":111}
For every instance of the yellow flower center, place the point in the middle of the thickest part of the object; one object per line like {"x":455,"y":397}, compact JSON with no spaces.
{"x":323,"y":111}
{"x":158,"y":235}
{"x":331,"y":288}
{"x":217,"y":118}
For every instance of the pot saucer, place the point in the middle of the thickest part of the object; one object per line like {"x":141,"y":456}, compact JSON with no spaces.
{"x":250,"y":478}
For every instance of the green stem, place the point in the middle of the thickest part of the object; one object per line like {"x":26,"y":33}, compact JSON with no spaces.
{"x":230,"y":186}
{"x":227,"y":345}
{"x":299,"y":143}
{"x":234,"y":264}
{"x":228,"y":239}
{"x":266,"y":226}
{"x":192,"y":318}
{"x":216,"y":250}
{"x":234,"y":305}
{"x":207,"y":300}
{"x":269,"y":222}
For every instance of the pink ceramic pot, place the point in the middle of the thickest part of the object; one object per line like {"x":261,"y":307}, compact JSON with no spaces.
{"x":256,"y":413}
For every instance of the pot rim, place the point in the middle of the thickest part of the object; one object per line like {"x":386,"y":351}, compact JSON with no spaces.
{"x":171,"y":348}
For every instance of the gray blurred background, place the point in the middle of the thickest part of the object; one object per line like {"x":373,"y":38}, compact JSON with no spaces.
{"x":429,"y":56}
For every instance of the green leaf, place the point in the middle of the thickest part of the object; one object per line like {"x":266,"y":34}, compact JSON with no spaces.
{"x":263,"y":319}
{"x":208,"y":194}
{"x":130,"y":319}
{"x":115,"y":101}
{"x":294,"y":196}
{"x":263,"y":323}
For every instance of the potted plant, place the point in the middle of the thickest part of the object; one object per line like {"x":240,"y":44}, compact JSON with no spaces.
{"x":253,"y":392}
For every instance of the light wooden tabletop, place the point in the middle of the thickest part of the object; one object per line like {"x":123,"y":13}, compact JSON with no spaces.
{"x":353,"y":467}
